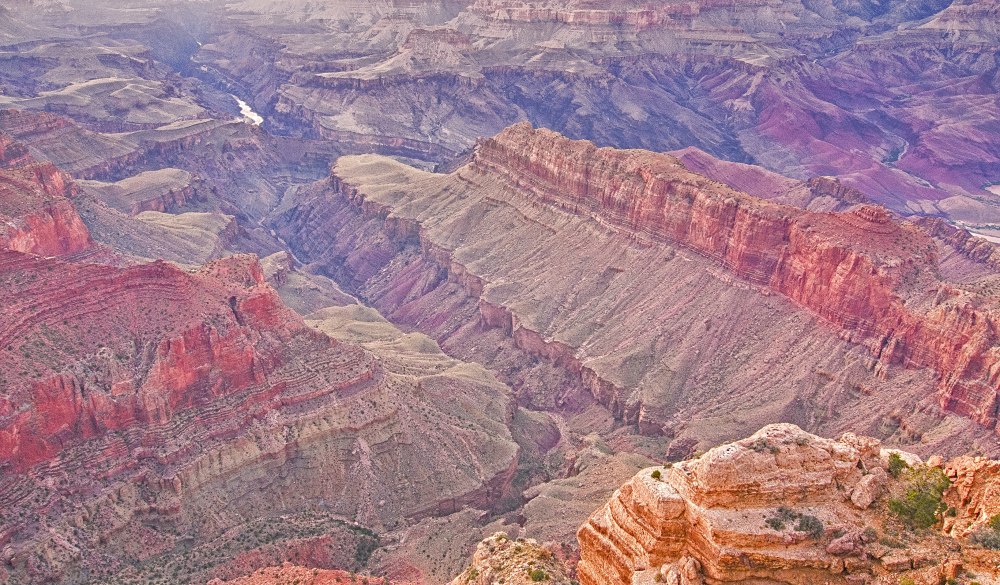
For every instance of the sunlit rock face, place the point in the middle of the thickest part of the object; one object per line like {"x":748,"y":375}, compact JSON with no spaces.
{"x":781,"y":506}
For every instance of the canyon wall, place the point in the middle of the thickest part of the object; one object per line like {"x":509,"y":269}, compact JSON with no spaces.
{"x":35,"y":207}
{"x":151,"y":415}
{"x":650,"y":287}
{"x":863,"y":270}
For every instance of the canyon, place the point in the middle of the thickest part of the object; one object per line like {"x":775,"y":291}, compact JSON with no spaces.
{"x":203,"y":378}
{"x":470,"y":291}
{"x":885,"y":312}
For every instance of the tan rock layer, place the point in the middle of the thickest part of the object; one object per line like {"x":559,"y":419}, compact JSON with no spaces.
{"x":712,"y":519}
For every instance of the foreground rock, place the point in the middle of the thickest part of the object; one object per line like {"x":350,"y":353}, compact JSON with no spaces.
{"x":778,"y":507}
{"x":500,"y":559}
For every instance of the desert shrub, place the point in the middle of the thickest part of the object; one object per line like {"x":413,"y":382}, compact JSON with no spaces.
{"x":994,"y":523}
{"x":810,"y":525}
{"x":804,"y":523}
{"x":775,"y":523}
{"x":989,"y":535}
{"x":538,"y":575}
{"x":920,"y":505}
{"x":907,"y":581}
{"x":896,"y":465}
{"x":656,"y":474}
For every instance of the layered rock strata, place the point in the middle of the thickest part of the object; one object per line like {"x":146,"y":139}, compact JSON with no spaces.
{"x":646,"y":283}
{"x":152,"y":415}
{"x":863,"y":270}
{"x":781,"y":506}
{"x":36,"y":213}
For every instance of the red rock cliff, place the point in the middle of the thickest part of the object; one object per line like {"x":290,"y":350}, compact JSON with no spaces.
{"x":36,"y":214}
{"x":862,"y":270}
{"x":172,"y":342}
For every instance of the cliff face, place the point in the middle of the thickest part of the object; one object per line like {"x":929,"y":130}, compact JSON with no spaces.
{"x":861,"y":270}
{"x":159,"y":363}
{"x":195,"y":399}
{"x":35,"y":209}
{"x":781,"y":506}
{"x":661,"y":292}
{"x":194,"y":393}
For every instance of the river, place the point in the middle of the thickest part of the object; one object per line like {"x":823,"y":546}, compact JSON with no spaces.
{"x":248,"y":113}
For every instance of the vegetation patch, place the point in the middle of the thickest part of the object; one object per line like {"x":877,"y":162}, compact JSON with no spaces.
{"x":989,"y":535}
{"x":811,"y":525}
{"x":920,"y":504}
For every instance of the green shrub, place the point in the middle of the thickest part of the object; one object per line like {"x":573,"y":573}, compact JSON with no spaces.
{"x":538,"y":575}
{"x":994,"y":523}
{"x":987,"y":538}
{"x":656,"y":474}
{"x":921,"y":506}
{"x":810,"y":525}
{"x":896,"y":465}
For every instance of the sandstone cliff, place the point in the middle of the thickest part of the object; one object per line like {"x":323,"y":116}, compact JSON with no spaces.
{"x":781,"y":506}
{"x":862,"y":270}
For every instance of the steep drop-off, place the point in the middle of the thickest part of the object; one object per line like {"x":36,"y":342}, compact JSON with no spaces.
{"x":155,"y":421}
{"x":36,"y":213}
{"x":685,"y":306}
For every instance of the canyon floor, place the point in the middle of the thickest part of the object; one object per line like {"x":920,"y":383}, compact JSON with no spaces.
{"x":412,"y":291}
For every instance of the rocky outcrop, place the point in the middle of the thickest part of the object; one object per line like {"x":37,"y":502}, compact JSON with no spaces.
{"x":975,"y":493}
{"x":777,"y":507}
{"x":862,"y":270}
{"x":501,"y":559}
{"x":199,"y":386}
{"x":36,"y":214}
{"x":167,"y":361}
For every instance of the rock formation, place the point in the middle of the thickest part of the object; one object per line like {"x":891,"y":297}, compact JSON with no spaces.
{"x":501,"y":559}
{"x":35,"y":208}
{"x":588,"y":231}
{"x":860,"y":270}
{"x":781,"y":506}
{"x":152,"y":415}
